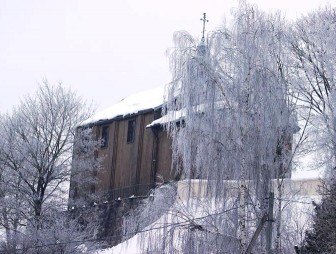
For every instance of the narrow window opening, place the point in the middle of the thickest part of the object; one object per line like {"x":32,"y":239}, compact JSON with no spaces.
{"x":104,"y":137}
{"x":131,"y":131}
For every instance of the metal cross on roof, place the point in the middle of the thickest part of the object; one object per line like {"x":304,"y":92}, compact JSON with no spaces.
{"x":204,"y":21}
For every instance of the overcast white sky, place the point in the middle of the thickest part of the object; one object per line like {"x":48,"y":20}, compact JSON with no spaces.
{"x":103,"y":49}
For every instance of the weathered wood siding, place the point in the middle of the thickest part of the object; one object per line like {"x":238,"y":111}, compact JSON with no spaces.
{"x":146,"y":162}
{"x":132,"y":168}
{"x":133,"y":160}
{"x":132,"y":164}
{"x":164,"y":157}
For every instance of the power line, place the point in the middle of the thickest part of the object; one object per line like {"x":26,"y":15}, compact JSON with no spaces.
{"x":183,"y":223}
{"x":296,"y":201}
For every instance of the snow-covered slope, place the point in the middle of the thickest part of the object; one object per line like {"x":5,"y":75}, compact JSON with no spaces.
{"x":299,"y":208}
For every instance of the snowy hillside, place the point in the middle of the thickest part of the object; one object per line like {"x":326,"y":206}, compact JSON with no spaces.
{"x":299,"y":208}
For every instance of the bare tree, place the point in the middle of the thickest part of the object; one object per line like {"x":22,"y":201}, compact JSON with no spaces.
{"x":313,"y":51}
{"x":36,"y":144}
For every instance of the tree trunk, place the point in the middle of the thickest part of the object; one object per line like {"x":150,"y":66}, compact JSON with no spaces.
{"x":242,"y":209}
{"x":278,"y":220}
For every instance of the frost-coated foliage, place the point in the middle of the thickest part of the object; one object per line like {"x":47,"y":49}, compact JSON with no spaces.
{"x":36,"y":145}
{"x":237,"y":120}
{"x":55,"y":233}
{"x":233,"y":98}
{"x":314,"y":53}
{"x":235,"y":135}
{"x":150,"y":210}
{"x":84,"y":168}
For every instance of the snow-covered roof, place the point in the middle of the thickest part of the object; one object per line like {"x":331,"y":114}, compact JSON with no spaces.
{"x":171,"y":116}
{"x":150,"y":99}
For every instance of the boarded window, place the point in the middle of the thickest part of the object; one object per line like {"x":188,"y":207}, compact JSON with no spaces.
{"x":104,"y":136}
{"x":131,"y":131}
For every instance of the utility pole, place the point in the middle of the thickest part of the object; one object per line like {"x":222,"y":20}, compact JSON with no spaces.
{"x":256,"y":233}
{"x":267,"y":217}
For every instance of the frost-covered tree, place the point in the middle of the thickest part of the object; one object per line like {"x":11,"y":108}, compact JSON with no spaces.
{"x":36,"y":144}
{"x":57,"y":233}
{"x":313,"y":50}
{"x":84,"y":168}
{"x":231,"y":126}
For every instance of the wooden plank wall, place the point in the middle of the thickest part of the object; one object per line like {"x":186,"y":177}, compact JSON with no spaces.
{"x":125,"y":165}
{"x":164,"y":157}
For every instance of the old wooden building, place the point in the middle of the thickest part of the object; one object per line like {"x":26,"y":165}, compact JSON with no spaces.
{"x":135,"y":154}
{"x":135,"y":149}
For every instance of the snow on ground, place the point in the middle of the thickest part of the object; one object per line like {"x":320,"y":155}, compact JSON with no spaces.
{"x":127,"y":247}
{"x":307,"y":174}
{"x":305,"y":192}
